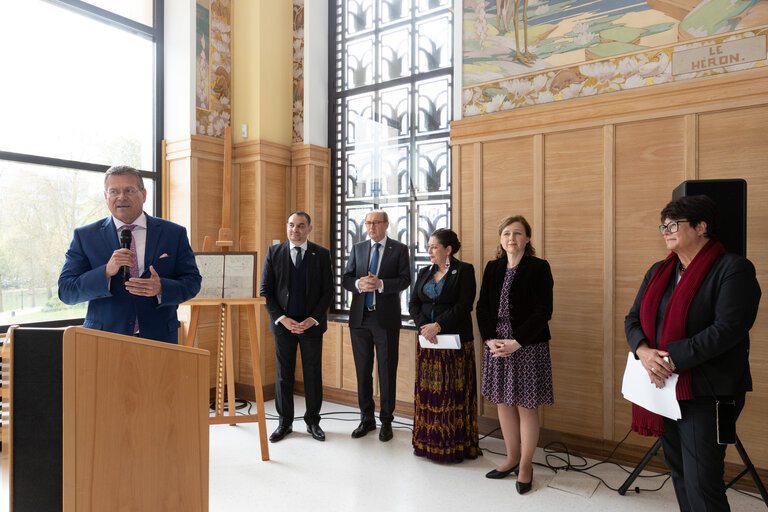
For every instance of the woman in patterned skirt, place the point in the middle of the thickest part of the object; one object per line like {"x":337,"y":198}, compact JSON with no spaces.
{"x":513,"y":312}
{"x":445,"y":416}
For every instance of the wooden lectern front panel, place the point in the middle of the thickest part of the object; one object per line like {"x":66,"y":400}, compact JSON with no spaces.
{"x":132,"y":440}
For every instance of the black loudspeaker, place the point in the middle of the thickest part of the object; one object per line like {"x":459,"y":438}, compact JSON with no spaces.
{"x":731,"y":199}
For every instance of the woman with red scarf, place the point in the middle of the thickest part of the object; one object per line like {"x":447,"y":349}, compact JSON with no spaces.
{"x":692,"y":316}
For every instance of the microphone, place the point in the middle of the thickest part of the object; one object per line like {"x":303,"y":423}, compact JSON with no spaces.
{"x":125,"y":243}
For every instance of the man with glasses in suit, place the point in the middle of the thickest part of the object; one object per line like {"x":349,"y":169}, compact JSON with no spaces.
{"x":377,"y":271}
{"x":162,"y":272}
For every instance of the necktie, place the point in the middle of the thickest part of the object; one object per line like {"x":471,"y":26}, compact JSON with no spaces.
{"x":134,"y":270}
{"x":372,"y":269}
{"x":297,"y":264}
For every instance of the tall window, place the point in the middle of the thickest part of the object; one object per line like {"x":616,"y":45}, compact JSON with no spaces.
{"x":81,"y":87}
{"x":392,"y":67}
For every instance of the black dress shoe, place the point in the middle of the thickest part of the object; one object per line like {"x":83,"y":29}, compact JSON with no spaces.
{"x":497,"y":475}
{"x":280,"y":432}
{"x":363,"y":428}
{"x":524,"y":487}
{"x":316,"y":432}
{"x":385,"y":432}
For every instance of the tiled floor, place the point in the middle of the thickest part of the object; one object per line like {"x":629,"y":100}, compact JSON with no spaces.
{"x":345,"y":474}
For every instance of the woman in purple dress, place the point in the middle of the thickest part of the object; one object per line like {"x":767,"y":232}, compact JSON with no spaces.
{"x":445,"y":396}
{"x":513,"y":312}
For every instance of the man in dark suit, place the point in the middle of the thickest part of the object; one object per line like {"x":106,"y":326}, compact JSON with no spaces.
{"x":377,"y":271}
{"x":297,"y":281}
{"x":163,"y":272}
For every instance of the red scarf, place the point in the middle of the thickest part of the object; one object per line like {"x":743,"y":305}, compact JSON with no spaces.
{"x":645,"y":422}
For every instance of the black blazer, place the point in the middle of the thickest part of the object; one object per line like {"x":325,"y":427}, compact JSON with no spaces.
{"x":275,"y":285}
{"x":394,"y":271}
{"x":530,"y":300}
{"x":453,"y":306}
{"x":719,"y":319}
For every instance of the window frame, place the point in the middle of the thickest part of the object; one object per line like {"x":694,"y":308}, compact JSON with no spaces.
{"x":337,"y":123}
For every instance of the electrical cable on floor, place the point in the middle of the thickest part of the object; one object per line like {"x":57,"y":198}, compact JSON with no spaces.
{"x":553,"y":455}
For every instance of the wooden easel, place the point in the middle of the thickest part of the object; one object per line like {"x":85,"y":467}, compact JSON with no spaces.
{"x":225,"y":356}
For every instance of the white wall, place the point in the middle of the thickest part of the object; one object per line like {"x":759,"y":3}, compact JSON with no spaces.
{"x":179,"y":55}
{"x":316,"y":72}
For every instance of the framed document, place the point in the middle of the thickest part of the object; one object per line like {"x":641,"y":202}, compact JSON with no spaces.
{"x":227,"y":275}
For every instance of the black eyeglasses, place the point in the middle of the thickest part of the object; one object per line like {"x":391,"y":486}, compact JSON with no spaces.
{"x":672,"y":227}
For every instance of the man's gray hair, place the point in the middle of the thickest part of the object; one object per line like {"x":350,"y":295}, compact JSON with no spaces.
{"x":382,"y":212}
{"x":122,"y":170}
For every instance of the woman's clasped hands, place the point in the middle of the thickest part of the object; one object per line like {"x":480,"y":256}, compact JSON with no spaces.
{"x":503,"y":348}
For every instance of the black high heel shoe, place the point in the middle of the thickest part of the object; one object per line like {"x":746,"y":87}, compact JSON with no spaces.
{"x":497,"y":475}
{"x":524,"y":487}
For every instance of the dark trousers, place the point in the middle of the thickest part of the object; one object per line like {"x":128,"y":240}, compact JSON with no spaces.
{"x":312,"y":366}
{"x":369,"y":336}
{"x":694,"y":458}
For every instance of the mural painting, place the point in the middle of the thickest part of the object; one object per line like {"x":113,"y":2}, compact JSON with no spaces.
{"x":213,"y":67}
{"x":202,"y":45}
{"x":518,"y":53}
{"x":298,"y":71}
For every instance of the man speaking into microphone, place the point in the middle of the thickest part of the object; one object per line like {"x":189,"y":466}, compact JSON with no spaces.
{"x":133,"y":269}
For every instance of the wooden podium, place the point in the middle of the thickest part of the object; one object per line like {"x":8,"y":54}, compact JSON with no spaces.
{"x":95,"y":421}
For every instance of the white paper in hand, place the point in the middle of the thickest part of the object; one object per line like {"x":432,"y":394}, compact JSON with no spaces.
{"x":451,"y":341}
{"x":638,"y":389}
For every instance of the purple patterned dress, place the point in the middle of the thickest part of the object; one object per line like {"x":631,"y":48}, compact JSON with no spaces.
{"x":524,"y":378}
{"x":445,"y":400}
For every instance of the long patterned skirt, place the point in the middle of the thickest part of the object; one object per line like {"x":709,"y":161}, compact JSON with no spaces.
{"x":445,"y":416}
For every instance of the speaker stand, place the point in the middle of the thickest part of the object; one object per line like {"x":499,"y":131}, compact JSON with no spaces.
{"x":640,"y":467}
{"x":748,"y":468}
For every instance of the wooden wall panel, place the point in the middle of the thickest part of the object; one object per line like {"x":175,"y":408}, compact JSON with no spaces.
{"x":719,"y":134}
{"x":321,"y":233}
{"x":179,"y":194}
{"x":301,"y":175}
{"x":464,"y":175}
{"x":331,"y":355}
{"x":573,"y":234}
{"x":209,"y":193}
{"x":348,"y":377}
{"x":649,"y":164}
{"x":406,"y":367}
{"x":507,"y":187}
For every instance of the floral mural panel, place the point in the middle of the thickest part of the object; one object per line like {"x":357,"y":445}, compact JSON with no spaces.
{"x":213,"y":104}
{"x":298,"y":71}
{"x":202,"y":55}
{"x":519,"y":53}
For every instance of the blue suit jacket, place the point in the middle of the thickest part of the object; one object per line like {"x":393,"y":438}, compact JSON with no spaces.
{"x":111,"y":308}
